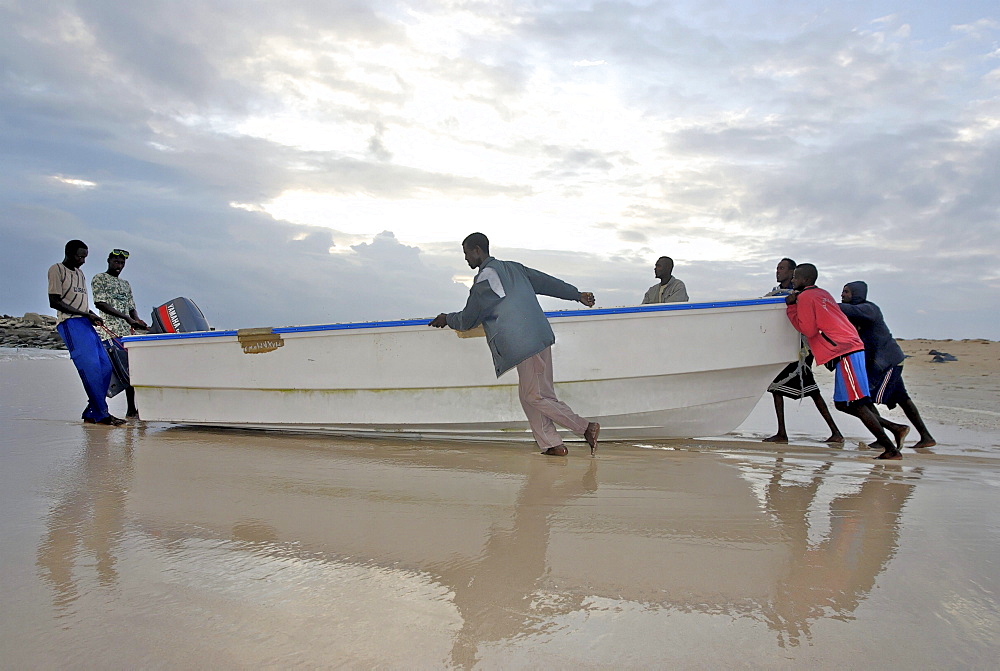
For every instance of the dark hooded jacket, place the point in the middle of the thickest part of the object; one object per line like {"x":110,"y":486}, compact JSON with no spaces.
{"x":881,"y":349}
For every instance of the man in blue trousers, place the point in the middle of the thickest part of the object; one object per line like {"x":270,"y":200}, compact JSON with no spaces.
{"x":68,"y":297}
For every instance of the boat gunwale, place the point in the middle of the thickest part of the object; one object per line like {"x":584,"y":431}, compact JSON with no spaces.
{"x":555,"y":314}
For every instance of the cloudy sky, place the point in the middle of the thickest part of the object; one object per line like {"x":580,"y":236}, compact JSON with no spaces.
{"x":306,"y":162}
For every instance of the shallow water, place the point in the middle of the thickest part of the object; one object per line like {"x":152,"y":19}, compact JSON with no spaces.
{"x":159,"y":547}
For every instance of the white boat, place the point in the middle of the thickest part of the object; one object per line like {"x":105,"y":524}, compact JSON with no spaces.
{"x":677,"y":370}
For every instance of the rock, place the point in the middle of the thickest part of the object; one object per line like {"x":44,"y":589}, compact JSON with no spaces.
{"x":33,"y":330}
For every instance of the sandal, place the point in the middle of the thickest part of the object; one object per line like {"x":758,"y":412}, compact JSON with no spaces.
{"x":111,"y":420}
{"x":591,"y":434}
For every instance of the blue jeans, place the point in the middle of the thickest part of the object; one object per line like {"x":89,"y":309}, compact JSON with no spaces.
{"x":91,"y":361}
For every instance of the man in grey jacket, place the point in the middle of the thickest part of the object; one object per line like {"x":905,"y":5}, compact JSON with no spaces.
{"x":669,"y":289}
{"x":503,"y":300}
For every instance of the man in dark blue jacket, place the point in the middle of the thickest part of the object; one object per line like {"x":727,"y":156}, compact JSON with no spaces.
{"x":883,"y":362}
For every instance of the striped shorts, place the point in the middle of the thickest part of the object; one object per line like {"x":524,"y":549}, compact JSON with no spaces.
{"x":850,"y":380}
{"x":888,"y":388}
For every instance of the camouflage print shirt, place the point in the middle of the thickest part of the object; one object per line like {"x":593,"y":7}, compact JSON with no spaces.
{"x":117,"y":293}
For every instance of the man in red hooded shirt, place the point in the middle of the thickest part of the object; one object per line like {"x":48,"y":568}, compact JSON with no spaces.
{"x":833,"y":340}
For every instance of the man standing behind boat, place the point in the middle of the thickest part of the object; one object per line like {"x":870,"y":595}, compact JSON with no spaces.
{"x":502,"y":299}
{"x":670,"y":289}
{"x":113,"y":297}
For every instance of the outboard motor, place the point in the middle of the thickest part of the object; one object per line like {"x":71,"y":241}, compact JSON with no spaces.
{"x":180,"y":315}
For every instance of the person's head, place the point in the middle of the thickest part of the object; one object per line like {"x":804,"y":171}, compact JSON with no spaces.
{"x":663,"y":268}
{"x":477,"y":249}
{"x":854,"y":293}
{"x":76,"y":254}
{"x":783,"y":273}
{"x":804,"y":275}
{"x":116,"y":261}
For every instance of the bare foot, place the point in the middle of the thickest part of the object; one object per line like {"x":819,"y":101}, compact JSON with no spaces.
{"x":879,"y":445}
{"x":890,"y":454}
{"x":925,"y":442}
{"x":776,"y":438}
{"x":558,"y":451}
{"x":835,"y":438}
{"x":899,"y":432}
{"x":590,"y":435}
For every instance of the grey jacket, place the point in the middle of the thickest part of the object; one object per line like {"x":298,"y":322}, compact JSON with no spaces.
{"x":516,"y":327}
{"x":673,"y":291}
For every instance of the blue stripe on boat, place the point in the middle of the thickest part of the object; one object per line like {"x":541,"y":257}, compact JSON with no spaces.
{"x":652,"y":307}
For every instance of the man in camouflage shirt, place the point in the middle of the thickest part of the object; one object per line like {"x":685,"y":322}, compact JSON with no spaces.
{"x":113,"y":297}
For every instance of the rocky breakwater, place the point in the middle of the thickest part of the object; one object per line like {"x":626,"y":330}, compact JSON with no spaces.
{"x":32,"y":330}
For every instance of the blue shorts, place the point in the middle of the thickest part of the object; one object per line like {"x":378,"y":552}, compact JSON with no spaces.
{"x":850,"y":381}
{"x":888,"y":388}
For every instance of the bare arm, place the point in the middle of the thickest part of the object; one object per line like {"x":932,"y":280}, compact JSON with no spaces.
{"x":136,"y":322}
{"x":132,"y":318}
{"x":56,"y":303}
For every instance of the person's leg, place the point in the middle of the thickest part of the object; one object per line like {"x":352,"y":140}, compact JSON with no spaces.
{"x":559,"y":412}
{"x":887,"y":389}
{"x":850,"y":395}
{"x":120,"y":368}
{"x":896,"y":394}
{"x":898,"y":431}
{"x":102,"y":378}
{"x":910,"y":410}
{"x":132,"y":411}
{"x":846,"y":408}
{"x":824,"y":411}
{"x":866,"y":414}
{"x":869,"y":416}
{"x":91,"y":361}
{"x":549,"y":405}
{"x":541,"y":396}
{"x":779,"y":412}
{"x":543,"y":430}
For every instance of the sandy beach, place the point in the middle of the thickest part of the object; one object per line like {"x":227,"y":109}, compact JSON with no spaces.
{"x":152,"y":546}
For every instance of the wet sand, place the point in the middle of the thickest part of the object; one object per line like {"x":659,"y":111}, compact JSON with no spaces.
{"x":164,"y":547}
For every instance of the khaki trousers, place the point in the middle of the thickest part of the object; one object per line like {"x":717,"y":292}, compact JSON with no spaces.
{"x":538,"y":398}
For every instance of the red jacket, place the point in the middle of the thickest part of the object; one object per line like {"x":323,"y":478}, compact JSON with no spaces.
{"x":818,"y":317}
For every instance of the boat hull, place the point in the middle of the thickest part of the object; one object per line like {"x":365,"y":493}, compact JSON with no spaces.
{"x":644,"y":373}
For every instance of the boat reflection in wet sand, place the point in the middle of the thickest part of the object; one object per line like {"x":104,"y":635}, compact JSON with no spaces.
{"x":651,"y":371}
{"x":502,"y":559}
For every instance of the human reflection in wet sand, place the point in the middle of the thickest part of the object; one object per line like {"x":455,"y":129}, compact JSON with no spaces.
{"x":830,"y":576}
{"x":86,"y":524}
{"x":497,"y":594}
